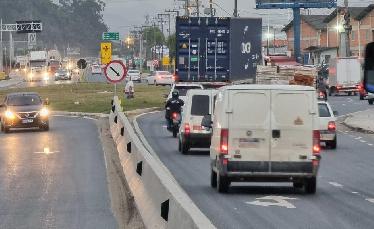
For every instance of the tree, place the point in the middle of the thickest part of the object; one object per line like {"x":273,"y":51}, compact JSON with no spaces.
{"x":171,"y":43}
{"x":74,"y":23}
{"x":153,"y":37}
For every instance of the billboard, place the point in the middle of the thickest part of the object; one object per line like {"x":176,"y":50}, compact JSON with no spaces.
{"x":284,"y":4}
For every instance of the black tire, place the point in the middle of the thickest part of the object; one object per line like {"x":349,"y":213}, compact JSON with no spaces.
{"x":44,"y":127}
{"x":331,"y":144}
{"x":349,"y":93}
{"x":213,"y":179}
{"x":298,"y":184}
{"x":179,"y":146}
{"x":361,"y":97}
{"x":370,"y":101}
{"x":175,"y":133}
{"x":185,"y":148}
{"x":223,"y":184}
{"x":310,"y":185}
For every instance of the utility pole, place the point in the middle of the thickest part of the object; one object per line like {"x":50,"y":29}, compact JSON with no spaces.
{"x":173,"y":11}
{"x":211,"y":7}
{"x":1,"y":46}
{"x":187,"y":8}
{"x":197,"y":8}
{"x":345,"y":50}
{"x":236,"y":8}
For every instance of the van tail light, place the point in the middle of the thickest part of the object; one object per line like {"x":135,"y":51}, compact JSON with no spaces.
{"x":224,"y":143}
{"x":339,"y":87}
{"x":174,"y":115}
{"x":187,"y":129}
{"x":331,"y":126}
{"x":316,"y":142}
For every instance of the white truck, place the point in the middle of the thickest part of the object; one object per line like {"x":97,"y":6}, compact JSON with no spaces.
{"x":344,"y":75}
{"x":38,"y":66}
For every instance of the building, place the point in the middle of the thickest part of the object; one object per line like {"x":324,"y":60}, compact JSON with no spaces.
{"x":320,"y":35}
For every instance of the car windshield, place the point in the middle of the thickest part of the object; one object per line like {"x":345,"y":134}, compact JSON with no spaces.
{"x":200,"y":105}
{"x":184,"y":89}
{"x":24,"y":100}
{"x":324,"y":110}
{"x":62,"y":71}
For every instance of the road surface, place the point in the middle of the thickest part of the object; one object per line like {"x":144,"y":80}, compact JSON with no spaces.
{"x":345,"y":192}
{"x":54,"y":179}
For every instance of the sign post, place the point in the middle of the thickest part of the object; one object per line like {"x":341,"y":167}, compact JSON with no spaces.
{"x":115,"y":72}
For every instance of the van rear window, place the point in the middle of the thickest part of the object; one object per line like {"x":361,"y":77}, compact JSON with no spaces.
{"x":323,"y":111}
{"x":200,"y":105}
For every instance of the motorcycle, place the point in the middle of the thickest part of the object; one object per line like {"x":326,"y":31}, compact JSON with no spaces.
{"x":175,"y":124}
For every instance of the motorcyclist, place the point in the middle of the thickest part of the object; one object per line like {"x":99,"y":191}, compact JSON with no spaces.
{"x":173,"y":105}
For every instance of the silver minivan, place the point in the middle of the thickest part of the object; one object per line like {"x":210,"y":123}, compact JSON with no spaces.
{"x":198,"y":103}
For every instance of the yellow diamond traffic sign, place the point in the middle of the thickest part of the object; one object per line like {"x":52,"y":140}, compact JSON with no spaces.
{"x":106,"y":52}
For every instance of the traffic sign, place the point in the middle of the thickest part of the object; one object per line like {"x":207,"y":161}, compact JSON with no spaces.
{"x":110,"y":36}
{"x":115,"y":71}
{"x":106,"y":52}
{"x":29,"y":26}
{"x":82,"y":64}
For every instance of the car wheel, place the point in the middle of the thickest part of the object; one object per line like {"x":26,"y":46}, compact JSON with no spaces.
{"x":311,"y":185}
{"x":349,"y":93}
{"x":223,"y":184}
{"x":179,"y":146}
{"x":213,"y":179}
{"x":371,"y":101}
{"x":361,"y":97}
{"x":6,"y":130}
{"x":184,"y":148}
{"x":298,"y":184}
{"x":2,"y":127}
{"x":175,"y":133}
{"x":44,"y":127}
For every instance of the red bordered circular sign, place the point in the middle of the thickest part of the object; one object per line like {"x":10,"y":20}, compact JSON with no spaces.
{"x":115,"y":71}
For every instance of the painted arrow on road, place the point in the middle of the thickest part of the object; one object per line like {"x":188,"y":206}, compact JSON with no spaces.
{"x":279,"y":201}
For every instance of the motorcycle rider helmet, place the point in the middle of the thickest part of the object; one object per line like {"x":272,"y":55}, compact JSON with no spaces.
{"x":175,"y":94}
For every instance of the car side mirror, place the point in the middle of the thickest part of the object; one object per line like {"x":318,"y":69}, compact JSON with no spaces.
{"x":46,"y":102}
{"x":207,"y":121}
{"x":335,"y":113}
{"x":369,"y":68}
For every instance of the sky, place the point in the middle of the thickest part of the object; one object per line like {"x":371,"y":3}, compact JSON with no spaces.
{"x":121,"y":15}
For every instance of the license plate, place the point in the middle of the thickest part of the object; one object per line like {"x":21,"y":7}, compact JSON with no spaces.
{"x":25,"y":121}
{"x":197,"y":128}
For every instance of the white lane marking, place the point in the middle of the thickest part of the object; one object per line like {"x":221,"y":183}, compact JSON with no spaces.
{"x":355,"y":193}
{"x":89,"y":118}
{"x":336,"y":184}
{"x":343,"y":104}
{"x":47,"y":151}
{"x":358,"y":138}
{"x":346,"y":131}
{"x":279,"y":201}
{"x":370,"y":200}
{"x":164,"y":126}
{"x":363,"y":141}
{"x":369,"y":144}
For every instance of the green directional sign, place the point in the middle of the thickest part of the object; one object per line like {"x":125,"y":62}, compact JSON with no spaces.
{"x":110,"y":36}
{"x":194,"y":59}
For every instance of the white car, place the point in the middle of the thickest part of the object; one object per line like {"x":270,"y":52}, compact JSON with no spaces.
{"x":266,"y":133}
{"x":370,"y":98}
{"x":133,"y":75}
{"x":327,"y":124}
{"x":191,"y":134}
{"x":161,"y":78}
{"x":96,"y":69}
{"x":182,"y":88}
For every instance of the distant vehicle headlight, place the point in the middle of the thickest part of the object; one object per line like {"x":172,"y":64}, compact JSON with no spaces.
{"x":31,"y":75}
{"x":68,"y":74}
{"x":56,"y":74}
{"x":25,"y":70}
{"x":44,"y":112}
{"x":76,"y":70}
{"x":9,"y":115}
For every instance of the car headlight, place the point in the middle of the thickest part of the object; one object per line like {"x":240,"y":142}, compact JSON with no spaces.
{"x":9,"y":115}
{"x":31,"y":75}
{"x":56,"y":74}
{"x":68,"y":74}
{"x":45,"y":74}
{"x":44,"y":112}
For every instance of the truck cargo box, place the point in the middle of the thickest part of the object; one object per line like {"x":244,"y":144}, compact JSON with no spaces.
{"x":212,"y":49}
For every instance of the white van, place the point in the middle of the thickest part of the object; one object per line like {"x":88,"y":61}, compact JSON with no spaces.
{"x":265,"y":133}
{"x":198,"y":103}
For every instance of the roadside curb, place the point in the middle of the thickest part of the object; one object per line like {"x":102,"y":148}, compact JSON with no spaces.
{"x":345,"y":122}
{"x":80,"y":114}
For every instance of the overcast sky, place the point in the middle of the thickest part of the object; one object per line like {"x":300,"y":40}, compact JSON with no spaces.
{"x":120,"y":15}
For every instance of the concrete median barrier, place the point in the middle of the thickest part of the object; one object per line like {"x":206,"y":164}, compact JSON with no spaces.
{"x":161,"y":202}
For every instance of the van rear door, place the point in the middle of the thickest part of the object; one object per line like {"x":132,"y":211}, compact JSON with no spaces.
{"x":249,"y":125}
{"x":291,"y":129}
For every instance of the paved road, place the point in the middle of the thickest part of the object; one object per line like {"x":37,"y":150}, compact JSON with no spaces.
{"x":348,"y":104}
{"x":344,"y":199}
{"x":54,"y":179}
